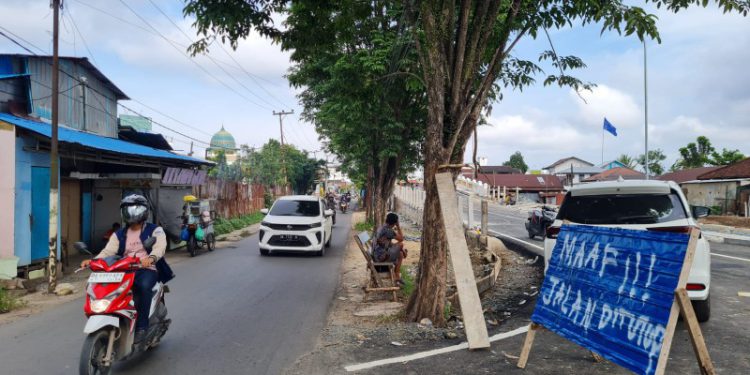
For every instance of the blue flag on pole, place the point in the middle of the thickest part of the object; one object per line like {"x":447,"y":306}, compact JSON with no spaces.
{"x":609,"y":127}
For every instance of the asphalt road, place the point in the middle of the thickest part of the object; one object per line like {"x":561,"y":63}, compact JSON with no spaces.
{"x":233,"y":312}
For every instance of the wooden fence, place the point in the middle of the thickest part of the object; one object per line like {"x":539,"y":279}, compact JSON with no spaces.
{"x":230,"y":198}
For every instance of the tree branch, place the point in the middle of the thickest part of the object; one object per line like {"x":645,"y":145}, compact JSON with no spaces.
{"x":460,"y":50}
{"x":480,"y":96}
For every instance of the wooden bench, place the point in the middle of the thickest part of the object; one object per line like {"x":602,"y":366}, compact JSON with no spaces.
{"x":377,"y":270}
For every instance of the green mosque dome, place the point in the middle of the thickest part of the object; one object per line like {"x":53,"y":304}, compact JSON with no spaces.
{"x":223,"y":140}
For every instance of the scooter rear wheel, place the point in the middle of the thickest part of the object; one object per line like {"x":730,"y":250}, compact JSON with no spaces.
{"x":191,"y":246}
{"x":93,"y":352}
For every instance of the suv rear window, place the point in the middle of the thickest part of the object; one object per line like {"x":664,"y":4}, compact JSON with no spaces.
{"x":295,"y":208}
{"x":622,"y":209}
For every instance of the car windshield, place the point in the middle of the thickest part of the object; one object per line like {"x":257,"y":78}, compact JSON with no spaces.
{"x":295,"y":208}
{"x":622,"y":209}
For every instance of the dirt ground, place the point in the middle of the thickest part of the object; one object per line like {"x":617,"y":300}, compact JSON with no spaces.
{"x":349,"y":339}
{"x":732,"y":221}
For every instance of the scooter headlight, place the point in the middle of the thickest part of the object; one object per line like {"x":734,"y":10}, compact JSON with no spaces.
{"x":100,"y":305}
{"x":116,"y":293}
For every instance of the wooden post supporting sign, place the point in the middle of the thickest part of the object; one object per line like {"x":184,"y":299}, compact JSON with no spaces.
{"x":468,"y":296}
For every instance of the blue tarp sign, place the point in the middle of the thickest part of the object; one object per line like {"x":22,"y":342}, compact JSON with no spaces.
{"x":611,"y":291}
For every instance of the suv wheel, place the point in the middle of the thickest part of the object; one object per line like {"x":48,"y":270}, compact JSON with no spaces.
{"x":702,"y":309}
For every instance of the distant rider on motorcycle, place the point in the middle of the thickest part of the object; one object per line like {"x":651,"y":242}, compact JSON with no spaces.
{"x":128,"y":242}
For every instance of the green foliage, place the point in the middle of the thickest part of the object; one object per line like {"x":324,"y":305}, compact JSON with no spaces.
{"x":655,"y":159}
{"x":364,"y":226}
{"x":8,"y":302}
{"x":516,"y":161}
{"x":726,"y":157}
{"x":695,"y":154}
{"x":223,"y":170}
{"x":627,"y":160}
{"x":266,"y":165}
{"x":224,"y":226}
{"x":717,"y":210}
{"x":408,"y":288}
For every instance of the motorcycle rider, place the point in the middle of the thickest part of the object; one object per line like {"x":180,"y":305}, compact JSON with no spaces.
{"x":128,"y":242}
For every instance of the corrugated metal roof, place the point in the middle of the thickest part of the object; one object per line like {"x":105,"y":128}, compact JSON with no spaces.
{"x":740,"y":169}
{"x":67,"y":135}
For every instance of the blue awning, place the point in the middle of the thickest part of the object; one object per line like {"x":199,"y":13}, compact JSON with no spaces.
{"x":13,"y":75}
{"x":98,"y":142}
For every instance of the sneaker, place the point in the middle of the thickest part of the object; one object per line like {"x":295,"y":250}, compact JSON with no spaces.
{"x":140,"y":335}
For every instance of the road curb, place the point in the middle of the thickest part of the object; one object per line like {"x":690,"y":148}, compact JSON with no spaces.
{"x":727,"y":238}
{"x":518,"y":244}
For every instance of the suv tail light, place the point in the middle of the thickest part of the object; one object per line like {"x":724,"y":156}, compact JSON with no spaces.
{"x":695,"y":287}
{"x":552,"y":232}
{"x":680,"y":229}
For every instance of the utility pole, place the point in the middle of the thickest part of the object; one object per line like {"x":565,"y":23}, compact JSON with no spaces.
{"x":191,"y":149}
{"x":54,"y":167}
{"x":83,"y":96}
{"x":281,"y":115}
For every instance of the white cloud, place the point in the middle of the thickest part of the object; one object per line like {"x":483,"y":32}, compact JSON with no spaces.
{"x":603,"y":101}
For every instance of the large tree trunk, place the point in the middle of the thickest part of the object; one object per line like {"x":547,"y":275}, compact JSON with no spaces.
{"x":386,"y":182}
{"x":428,"y":299}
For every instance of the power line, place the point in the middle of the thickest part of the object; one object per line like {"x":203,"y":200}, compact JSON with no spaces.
{"x":212,"y":59}
{"x":75,"y":26}
{"x":23,"y":40}
{"x":171,"y":118}
{"x":103,"y":107}
{"x":189,"y":58}
{"x":17,"y":43}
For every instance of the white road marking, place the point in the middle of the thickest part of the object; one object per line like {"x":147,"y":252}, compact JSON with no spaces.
{"x":743,"y":294}
{"x":430,"y":353}
{"x":730,"y":257}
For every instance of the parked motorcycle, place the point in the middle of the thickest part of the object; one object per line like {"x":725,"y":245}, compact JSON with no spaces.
{"x":197,"y":226}
{"x":538,"y":221}
{"x":109,"y":306}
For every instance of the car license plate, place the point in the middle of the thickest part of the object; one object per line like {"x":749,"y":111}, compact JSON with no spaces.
{"x":106,"y":277}
{"x":288,"y":237}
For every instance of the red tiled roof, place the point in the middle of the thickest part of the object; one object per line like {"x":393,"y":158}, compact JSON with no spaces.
{"x":740,"y":169}
{"x":523,"y":181}
{"x":615,"y":173}
{"x":686,"y":174}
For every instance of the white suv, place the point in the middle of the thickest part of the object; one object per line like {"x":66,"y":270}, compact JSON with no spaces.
{"x":644,"y":205}
{"x":296,"y":223}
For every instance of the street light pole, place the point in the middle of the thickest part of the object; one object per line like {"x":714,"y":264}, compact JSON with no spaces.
{"x":54,"y":166}
{"x":645,"y":104}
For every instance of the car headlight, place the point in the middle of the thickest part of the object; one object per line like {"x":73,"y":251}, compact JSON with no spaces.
{"x":265,"y":223}
{"x":100,"y":305}
{"x":315,"y":225}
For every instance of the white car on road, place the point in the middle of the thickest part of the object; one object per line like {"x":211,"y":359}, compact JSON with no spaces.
{"x":296,"y":223}
{"x":644,"y":205}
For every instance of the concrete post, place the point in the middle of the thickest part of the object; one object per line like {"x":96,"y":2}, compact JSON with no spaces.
{"x":471,"y":211}
{"x":485,"y":216}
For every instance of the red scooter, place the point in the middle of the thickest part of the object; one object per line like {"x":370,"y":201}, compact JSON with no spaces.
{"x":111,"y":313}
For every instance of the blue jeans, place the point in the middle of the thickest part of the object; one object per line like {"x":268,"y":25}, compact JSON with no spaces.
{"x":143,"y":286}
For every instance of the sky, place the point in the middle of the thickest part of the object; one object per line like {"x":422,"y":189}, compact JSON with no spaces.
{"x":698,"y":82}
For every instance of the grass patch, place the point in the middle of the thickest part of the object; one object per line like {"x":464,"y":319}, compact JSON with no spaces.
{"x":224,"y":226}
{"x":8,"y":302}
{"x":394,"y":318}
{"x":408,"y":280}
{"x":447,"y":310}
{"x":364,"y":226}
